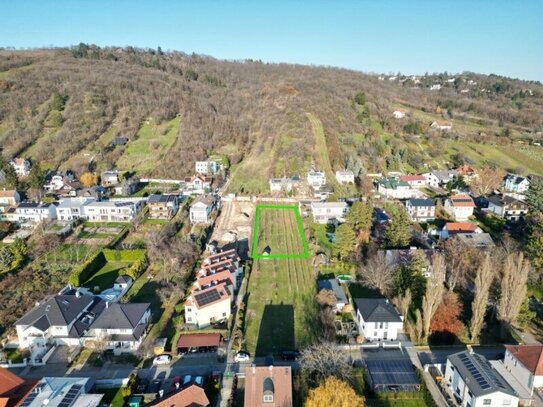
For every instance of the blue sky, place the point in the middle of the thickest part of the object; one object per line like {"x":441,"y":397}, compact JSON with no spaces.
{"x":412,"y":37}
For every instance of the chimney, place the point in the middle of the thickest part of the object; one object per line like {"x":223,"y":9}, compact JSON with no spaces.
{"x":176,"y":385}
{"x":160,"y":393}
{"x":254,"y":368}
{"x":77,"y":293}
{"x":270,"y":368}
{"x":107,"y":304}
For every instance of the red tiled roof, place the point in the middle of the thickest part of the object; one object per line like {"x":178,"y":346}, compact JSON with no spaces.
{"x":221,"y":276}
{"x":408,"y":178}
{"x":531,"y":356}
{"x":8,"y":381}
{"x":198,"y":340}
{"x":7,"y":193}
{"x":461,"y":227}
{"x":462,"y":200}
{"x":191,"y":396}
{"x":280,"y":377}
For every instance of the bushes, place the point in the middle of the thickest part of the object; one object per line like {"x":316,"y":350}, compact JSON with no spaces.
{"x":131,"y":386}
{"x":87,"y":269}
{"x":138,"y":258}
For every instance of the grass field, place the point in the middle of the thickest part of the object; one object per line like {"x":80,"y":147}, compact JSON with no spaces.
{"x":105,"y":277}
{"x":151,"y":144}
{"x":281,"y":309}
{"x":279,"y":229}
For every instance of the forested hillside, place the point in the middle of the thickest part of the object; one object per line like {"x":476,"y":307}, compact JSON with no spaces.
{"x":63,"y":108}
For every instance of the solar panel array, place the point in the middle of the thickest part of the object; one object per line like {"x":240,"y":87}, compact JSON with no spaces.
{"x":69,"y":398}
{"x":475,"y":372}
{"x":207,"y":297}
{"x":392,"y":372}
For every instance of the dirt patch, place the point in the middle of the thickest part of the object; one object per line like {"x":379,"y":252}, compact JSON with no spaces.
{"x":234,"y":226}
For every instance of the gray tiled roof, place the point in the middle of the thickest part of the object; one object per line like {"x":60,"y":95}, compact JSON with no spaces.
{"x":121,"y":316}
{"x":377,"y":310}
{"x":60,"y":310}
{"x":421,"y":202}
{"x":480,"y":377}
{"x":333,"y":285}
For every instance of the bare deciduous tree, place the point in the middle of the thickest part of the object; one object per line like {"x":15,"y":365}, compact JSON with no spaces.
{"x":483,"y":281}
{"x":460,"y":260}
{"x":434,"y":292}
{"x":322,"y":360}
{"x":487,"y":180}
{"x":513,"y":287}
{"x":376,"y":273}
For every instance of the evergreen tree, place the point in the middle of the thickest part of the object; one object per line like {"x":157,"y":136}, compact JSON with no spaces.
{"x":360,"y":217}
{"x":534,"y":195}
{"x":398,"y":232}
{"x":345,"y":240}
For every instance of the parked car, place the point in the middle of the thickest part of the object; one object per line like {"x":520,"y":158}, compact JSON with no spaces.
{"x":162,"y":360}
{"x":142,"y":386}
{"x":155,"y":386}
{"x":242,"y":357}
{"x":290,"y":354}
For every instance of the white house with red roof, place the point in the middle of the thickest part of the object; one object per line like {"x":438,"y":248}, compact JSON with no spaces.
{"x":208,"y":306}
{"x":197,"y":184}
{"x":460,"y":206}
{"x":457,"y":228}
{"x":442,"y":125}
{"x":525,"y":363}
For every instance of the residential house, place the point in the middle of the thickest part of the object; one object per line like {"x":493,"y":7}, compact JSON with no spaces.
{"x":525,"y":363}
{"x":63,"y":392}
{"x":481,"y":241}
{"x":507,"y":207}
{"x":53,"y":321}
{"x":197,"y":184}
{"x":281,"y":184}
{"x":162,"y":206}
{"x":13,"y":389}
{"x":421,"y":210}
{"x":345,"y":177}
{"x":112,"y":211}
{"x":440,"y":179}
{"x":127,"y":187}
{"x":442,"y":125}
{"x":474,"y":382}
{"x":467,"y":172}
{"x":329,"y":212}
{"x":316,"y":179}
{"x":267,"y":386}
{"x":21,"y":166}
{"x":209,"y":167}
{"x":69,"y":189}
{"x":110,"y":178}
{"x":378,"y":318}
{"x":414,"y":181}
{"x":332,"y":284}
{"x":456,"y":228}
{"x":188,"y":395}
{"x":460,"y":206}
{"x":34,"y":212}
{"x":9,"y":198}
{"x":392,"y":188}
{"x":220,"y":257}
{"x":201,"y":209}
{"x":516,"y":184}
{"x":399,"y":114}
{"x":56,"y":181}
{"x":96,"y":192}
{"x":121,"y":326}
{"x":208,"y":306}
{"x":69,"y":209}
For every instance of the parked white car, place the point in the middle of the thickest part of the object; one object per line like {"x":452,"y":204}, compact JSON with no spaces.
{"x":162,"y":360}
{"x":242,"y":357}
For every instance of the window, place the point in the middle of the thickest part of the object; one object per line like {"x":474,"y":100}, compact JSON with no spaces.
{"x":268,"y":398}
{"x":375,"y":334}
{"x":189,"y":309}
{"x":507,"y":402}
{"x":487,"y":402}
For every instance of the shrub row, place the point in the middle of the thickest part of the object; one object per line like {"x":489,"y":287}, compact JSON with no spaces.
{"x":124,"y":255}
{"x":87,"y":269}
{"x":137,"y":268}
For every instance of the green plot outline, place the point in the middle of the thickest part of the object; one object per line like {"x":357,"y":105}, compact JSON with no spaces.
{"x":296,"y":210}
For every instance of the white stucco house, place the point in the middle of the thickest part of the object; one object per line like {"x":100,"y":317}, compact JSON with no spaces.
{"x":200,"y":210}
{"x":421,"y":210}
{"x":516,"y":183}
{"x":316,"y":179}
{"x":460,"y":207}
{"x":507,"y":207}
{"x":475,"y":383}
{"x":35,"y":212}
{"x":442,"y":125}
{"x":209,"y":167}
{"x":393,"y":188}
{"x":207,"y":306}
{"x":440,"y":178}
{"x":399,"y":114}
{"x":525,"y":363}
{"x":112,"y":211}
{"x":345,"y":177}
{"x":378,"y":319}
{"x":21,"y":166}
{"x":329,"y":212}
{"x":69,"y":209}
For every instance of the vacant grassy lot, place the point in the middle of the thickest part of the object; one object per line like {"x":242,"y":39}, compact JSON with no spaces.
{"x":282,"y":310}
{"x":279,"y":229}
{"x":105,"y":277}
{"x":152,"y":143}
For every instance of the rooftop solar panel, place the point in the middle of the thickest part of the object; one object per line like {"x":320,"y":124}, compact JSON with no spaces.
{"x":207,"y":297}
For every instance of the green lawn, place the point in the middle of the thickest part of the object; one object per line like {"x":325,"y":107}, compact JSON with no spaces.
{"x":151,"y":145}
{"x":105,"y":277}
{"x":70,"y":253}
{"x":113,"y":397}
